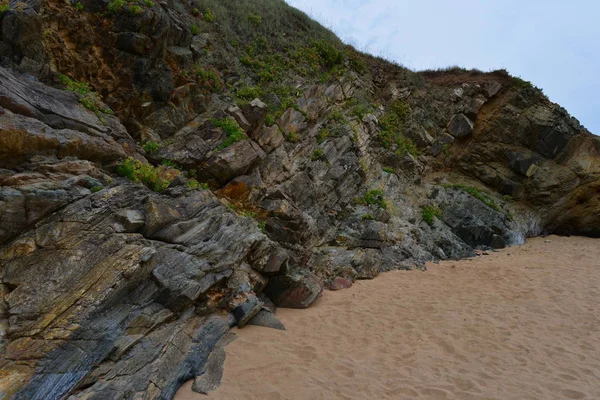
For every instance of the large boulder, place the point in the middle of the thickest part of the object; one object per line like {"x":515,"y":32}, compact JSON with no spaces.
{"x":255,"y":112}
{"x":234,"y":160}
{"x":460,"y":126}
{"x":294,"y":289}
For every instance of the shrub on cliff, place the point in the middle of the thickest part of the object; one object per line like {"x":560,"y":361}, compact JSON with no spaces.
{"x":155,"y":178}
{"x":232,"y":130}
{"x":430,"y":213}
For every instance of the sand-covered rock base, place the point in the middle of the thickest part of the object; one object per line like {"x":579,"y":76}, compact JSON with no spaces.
{"x":522,"y":323}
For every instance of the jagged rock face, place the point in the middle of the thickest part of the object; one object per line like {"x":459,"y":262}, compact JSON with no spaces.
{"x":111,"y":290}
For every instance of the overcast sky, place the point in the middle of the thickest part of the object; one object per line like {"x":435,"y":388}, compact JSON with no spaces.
{"x":555,"y":44}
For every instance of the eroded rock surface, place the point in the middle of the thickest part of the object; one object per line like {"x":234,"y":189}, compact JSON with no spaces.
{"x":273,"y":179}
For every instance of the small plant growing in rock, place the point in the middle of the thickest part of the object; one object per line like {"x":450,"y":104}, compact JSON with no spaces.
{"x":391,"y":125}
{"x":135,"y":9}
{"x":478,"y":194}
{"x":155,"y":178}
{"x":88,"y":98}
{"x":367,"y":217}
{"x":151,"y":147}
{"x":360,"y":110}
{"x":373,"y":197}
{"x":323,"y":134}
{"x":254,"y":19}
{"x":232,"y":130}
{"x":194,"y":30}
{"x":389,"y":170}
{"x":262,"y":225}
{"x":336,"y":116}
{"x":318,"y":154}
{"x":131,"y":7}
{"x":522,"y":83}
{"x":171,"y":164}
{"x":4,"y":6}
{"x":248,"y":93}
{"x":96,"y":189}
{"x":292,"y":137}
{"x":430,"y":213}
{"x":249,"y":214}
{"x":270,"y":120}
{"x":78,"y":6}
{"x":207,"y":78}
{"x":194,"y":184}
{"x":116,"y":6}
{"x":209,"y":16}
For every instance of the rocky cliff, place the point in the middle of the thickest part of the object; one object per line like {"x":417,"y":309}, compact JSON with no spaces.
{"x":170,"y":169}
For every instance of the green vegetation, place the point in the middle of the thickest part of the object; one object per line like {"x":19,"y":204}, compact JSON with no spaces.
{"x":478,"y":194}
{"x":356,"y":61}
{"x":194,"y":30}
{"x":96,"y":189}
{"x":391,"y":125}
{"x":155,"y":178}
{"x":262,"y":225}
{"x":508,"y":198}
{"x":249,"y":214}
{"x":270,"y":120}
{"x":389,"y":170}
{"x":430,"y":213}
{"x":151,"y":147}
{"x":78,"y":6}
{"x":322,"y":135}
{"x":208,"y":79}
{"x":292,"y":137}
{"x":318,"y":154}
{"x":254,"y":19}
{"x":521,"y":83}
{"x":88,"y":98}
{"x":248,"y":93}
{"x":336,"y":116}
{"x":232,"y":130}
{"x":361,"y":109}
{"x":171,"y":164}
{"x":134,"y":7}
{"x":194,"y":184}
{"x":116,"y":6}
{"x":367,"y":217}
{"x":373,"y":197}
{"x":4,"y":6}
{"x":209,"y":16}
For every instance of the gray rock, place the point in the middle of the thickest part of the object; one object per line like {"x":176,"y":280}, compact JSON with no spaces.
{"x":269,"y":138}
{"x":238,"y":115}
{"x":460,"y":126}
{"x":255,"y":112}
{"x":493,"y":89}
{"x":235,"y":160}
{"x":294,"y":289}
{"x":135,"y":43}
{"x":292,"y":121}
{"x":247,"y":310}
{"x":497,"y":242}
{"x":267,"y":319}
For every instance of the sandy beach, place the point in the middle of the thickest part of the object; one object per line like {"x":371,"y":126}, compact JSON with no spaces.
{"x":521,"y":323}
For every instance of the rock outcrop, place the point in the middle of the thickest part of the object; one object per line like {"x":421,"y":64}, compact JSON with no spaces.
{"x":164,"y":177}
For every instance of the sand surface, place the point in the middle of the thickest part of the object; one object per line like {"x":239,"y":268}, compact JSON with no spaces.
{"x":522,"y":323}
